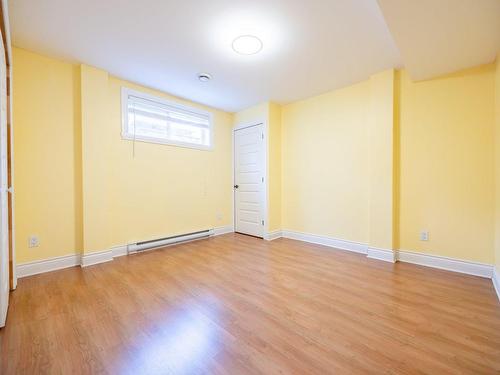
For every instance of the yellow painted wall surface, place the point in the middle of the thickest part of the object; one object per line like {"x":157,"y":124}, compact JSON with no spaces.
{"x":96,"y":159}
{"x":381,"y":139}
{"x":325,"y":164}
{"x":167,"y":190}
{"x":274,"y":166}
{"x":440,"y":177}
{"x":259,"y":112}
{"x":47,"y":142}
{"x":446,"y":164}
{"x":71,"y":164}
{"x":497,"y":163}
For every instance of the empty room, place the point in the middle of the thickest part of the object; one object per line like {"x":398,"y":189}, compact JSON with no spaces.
{"x":249,"y":187}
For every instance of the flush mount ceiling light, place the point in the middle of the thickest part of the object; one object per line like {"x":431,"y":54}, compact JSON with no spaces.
{"x":247,"y":45}
{"x":204,"y":77}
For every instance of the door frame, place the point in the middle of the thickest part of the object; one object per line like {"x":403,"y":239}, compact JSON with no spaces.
{"x":264,"y":203}
{"x":5,"y":28}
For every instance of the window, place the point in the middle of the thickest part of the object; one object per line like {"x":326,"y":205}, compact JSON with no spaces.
{"x":151,"y":119}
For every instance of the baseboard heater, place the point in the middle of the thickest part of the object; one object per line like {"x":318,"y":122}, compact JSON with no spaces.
{"x":152,"y":244}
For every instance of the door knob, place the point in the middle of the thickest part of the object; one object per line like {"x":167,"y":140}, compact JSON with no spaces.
{"x":236,"y":186}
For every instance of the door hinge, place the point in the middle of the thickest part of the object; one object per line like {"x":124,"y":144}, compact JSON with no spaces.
{"x":262,"y":135}
{"x":10,"y":190}
{"x":262,"y":222}
{"x":262,"y":179}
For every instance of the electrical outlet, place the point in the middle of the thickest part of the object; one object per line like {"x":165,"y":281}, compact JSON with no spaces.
{"x":219,"y":216}
{"x":34,"y":241}
{"x":424,"y":235}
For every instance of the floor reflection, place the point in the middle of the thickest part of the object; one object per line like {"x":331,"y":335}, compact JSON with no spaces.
{"x":180,"y":345}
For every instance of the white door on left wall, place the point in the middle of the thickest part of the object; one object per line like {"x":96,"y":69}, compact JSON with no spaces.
{"x":4,"y":214}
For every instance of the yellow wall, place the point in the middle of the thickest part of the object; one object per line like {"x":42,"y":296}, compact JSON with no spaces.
{"x":47,"y":140}
{"x":325,"y":155}
{"x":426,"y":164}
{"x":78,"y":186}
{"x":259,"y":112}
{"x":381,"y":140}
{"x":96,"y":159}
{"x":74,"y":175}
{"x":274,"y":166}
{"x":175,"y":189}
{"x":447,"y":164}
{"x":497,"y":164}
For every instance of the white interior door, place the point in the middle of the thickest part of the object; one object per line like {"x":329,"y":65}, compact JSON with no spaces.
{"x":249,"y":185}
{"x":4,"y":215}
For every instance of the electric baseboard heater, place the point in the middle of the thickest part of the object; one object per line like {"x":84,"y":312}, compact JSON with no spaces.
{"x":152,"y":244}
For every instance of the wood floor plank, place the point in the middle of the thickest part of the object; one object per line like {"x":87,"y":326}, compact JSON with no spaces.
{"x":235,"y":304}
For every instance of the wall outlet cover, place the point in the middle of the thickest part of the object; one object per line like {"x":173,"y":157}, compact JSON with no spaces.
{"x":34,"y":241}
{"x":424,"y":235}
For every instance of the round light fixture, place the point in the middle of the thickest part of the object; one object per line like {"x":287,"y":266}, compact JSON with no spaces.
{"x":247,"y":45}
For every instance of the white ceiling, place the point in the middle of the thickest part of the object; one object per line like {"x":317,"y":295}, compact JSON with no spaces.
{"x":310,"y":47}
{"x":442,"y":36}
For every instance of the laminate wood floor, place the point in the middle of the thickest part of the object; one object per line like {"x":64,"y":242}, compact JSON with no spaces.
{"x":239,"y":305}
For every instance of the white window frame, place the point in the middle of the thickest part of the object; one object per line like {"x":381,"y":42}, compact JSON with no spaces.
{"x":125,"y":94}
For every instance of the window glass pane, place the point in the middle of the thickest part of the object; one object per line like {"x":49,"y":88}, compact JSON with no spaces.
{"x":149,"y":120}
{"x":188,"y":133}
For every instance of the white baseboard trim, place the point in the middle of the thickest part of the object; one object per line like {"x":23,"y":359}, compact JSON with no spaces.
{"x":85,"y":260}
{"x":66,"y":261}
{"x":223,"y":230}
{"x":386,"y":255}
{"x":434,"y":261}
{"x":89,"y":259}
{"x":47,"y":265}
{"x":445,"y":263}
{"x":119,"y":251}
{"x":269,"y":236}
{"x":3,"y":313}
{"x":496,"y":281}
{"x":326,"y":241}
{"x":449,"y":264}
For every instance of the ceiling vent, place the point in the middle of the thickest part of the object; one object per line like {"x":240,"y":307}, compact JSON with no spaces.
{"x":204,"y":77}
